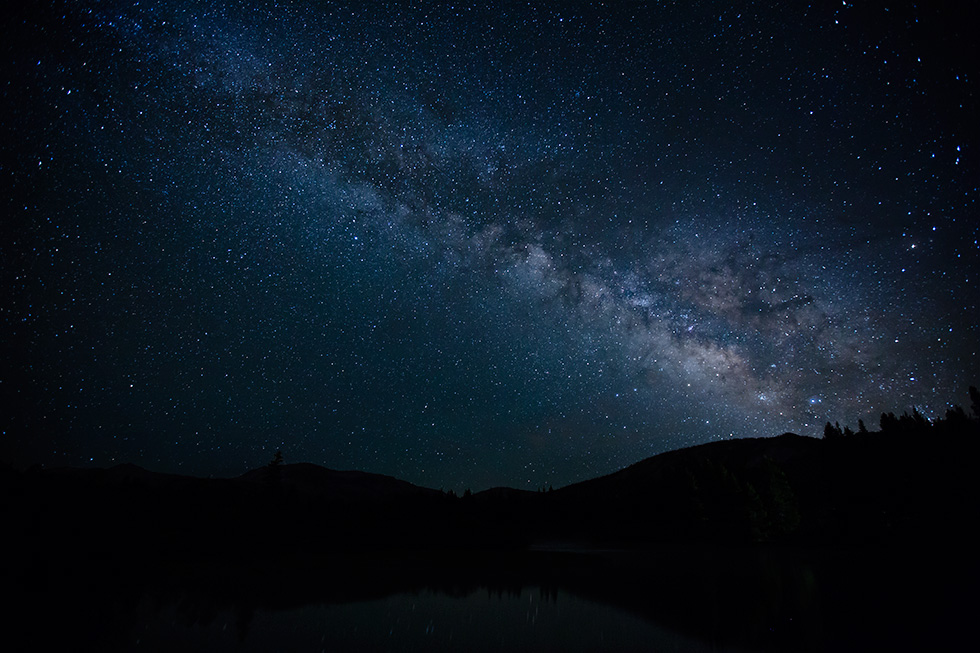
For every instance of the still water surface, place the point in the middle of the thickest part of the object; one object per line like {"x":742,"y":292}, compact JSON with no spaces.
{"x":715,"y":600}
{"x":532,"y":619}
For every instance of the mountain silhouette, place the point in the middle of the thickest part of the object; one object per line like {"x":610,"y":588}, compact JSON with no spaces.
{"x":315,"y":481}
{"x":710,"y":537}
{"x":912,"y":481}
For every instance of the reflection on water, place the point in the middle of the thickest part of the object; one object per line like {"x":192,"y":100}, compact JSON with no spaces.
{"x":533,"y":619}
{"x":720,"y":600}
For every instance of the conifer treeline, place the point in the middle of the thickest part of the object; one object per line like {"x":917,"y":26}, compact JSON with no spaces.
{"x":956,"y":420}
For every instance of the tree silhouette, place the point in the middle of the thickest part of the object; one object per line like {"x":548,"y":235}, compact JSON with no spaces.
{"x":782,"y":506}
{"x":888,"y":423}
{"x":957,"y":416}
{"x":274,"y":471}
{"x":832,"y":432}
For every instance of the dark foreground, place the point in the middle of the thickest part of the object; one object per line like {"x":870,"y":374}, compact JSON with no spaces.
{"x":723,"y":599}
{"x":851,"y":543}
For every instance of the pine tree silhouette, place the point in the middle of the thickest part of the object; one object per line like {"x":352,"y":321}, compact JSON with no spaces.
{"x":274,"y":472}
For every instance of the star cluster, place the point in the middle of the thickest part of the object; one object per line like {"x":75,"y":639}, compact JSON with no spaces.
{"x":479,"y":245}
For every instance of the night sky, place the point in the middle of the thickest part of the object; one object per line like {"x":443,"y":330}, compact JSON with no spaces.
{"x":476,"y":246}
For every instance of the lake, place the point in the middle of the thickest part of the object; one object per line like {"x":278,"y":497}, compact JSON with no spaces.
{"x":533,"y":619}
{"x":681,"y":600}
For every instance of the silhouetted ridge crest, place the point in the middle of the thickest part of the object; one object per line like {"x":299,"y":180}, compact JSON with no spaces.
{"x":911,"y":481}
{"x":314,"y":480}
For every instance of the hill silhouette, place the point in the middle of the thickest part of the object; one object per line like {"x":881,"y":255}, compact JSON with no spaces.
{"x":910,"y":481}
{"x":312,"y":480}
{"x":710,"y":538}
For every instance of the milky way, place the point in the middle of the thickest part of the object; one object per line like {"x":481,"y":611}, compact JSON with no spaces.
{"x":475,"y":246}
